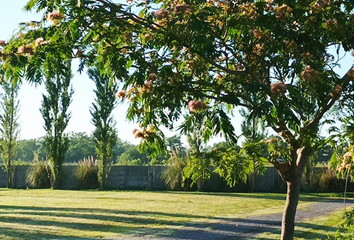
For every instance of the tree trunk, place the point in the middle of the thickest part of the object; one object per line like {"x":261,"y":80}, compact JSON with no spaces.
{"x":9,"y":177}
{"x":291,"y":172}
{"x":292,"y":199}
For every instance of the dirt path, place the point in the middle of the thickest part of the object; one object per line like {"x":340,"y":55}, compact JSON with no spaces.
{"x":248,"y":228}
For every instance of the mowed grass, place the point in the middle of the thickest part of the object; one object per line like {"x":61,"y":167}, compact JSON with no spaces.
{"x":38,"y":214}
{"x":315,"y":228}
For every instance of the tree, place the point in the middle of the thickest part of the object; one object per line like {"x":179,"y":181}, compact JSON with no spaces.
{"x":105,"y":134}
{"x":56,"y":118}
{"x":9,"y":126}
{"x":132,"y":156}
{"x":26,"y":150}
{"x":198,"y":162}
{"x":285,"y":52}
{"x":254,"y":145}
{"x":174,"y":145}
{"x":81,"y":146}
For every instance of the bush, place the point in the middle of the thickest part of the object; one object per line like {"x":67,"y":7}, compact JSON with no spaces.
{"x":347,"y":228}
{"x":87,"y":173}
{"x":38,"y":174}
{"x":329,"y":182}
{"x":173,"y":173}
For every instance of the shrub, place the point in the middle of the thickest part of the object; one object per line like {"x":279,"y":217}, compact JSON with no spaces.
{"x":87,"y":173}
{"x":38,"y":174}
{"x":173,"y":173}
{"x":329,"y":182}
{"x":347,"y":228}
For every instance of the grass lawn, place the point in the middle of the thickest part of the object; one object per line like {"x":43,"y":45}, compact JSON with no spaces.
{"x":312,"y":228}
{"x":38,"y":214}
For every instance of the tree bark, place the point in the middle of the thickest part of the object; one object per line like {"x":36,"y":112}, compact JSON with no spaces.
{"x":292,"y":172}
{"x":292,"y":199}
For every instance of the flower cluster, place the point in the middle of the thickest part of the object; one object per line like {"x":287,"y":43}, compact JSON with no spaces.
{"x":161,"y":14}
{"x":39,"y":41}
{"x":319,"y":5}
{"x":337,"y":91}
{"x":248,"y":9}
{"x":145,"y":88}
{"x":257,"y":33}
{"x":309,"y":74}
{"x":277,"y":88}
{"x":122,"y":94}
{"x":195,"y":106}
{"x":144,"y":132}
{"x":54,"y":16}
{"x":347,"y":161}
{"x":258,"y":49}
{"x":182,"y":8}
{"x":332,"y":23}
{"x":283,"y":12}
{"x":26,"y":49}
{"x":2,"y":42}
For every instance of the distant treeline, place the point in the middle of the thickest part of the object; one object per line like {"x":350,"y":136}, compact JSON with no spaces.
{"x":82,"y":146}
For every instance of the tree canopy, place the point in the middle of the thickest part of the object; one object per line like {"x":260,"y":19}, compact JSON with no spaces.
{"x":205,"y":56}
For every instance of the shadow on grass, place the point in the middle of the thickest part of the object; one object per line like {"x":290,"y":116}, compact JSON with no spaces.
{"x":308,"y":231}
{"x":30,"y":220}
{"x":306,"y":197}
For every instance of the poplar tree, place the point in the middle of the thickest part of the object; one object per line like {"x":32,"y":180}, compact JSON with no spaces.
{"x":9,"y":126}
{"x":56,"y":117}
{"x":105,"y":134}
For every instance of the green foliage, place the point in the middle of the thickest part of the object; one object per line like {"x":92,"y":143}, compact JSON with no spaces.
{"x":173,"y":173}
{"x":38,"y":175}
{"x":198,"y":160}
{"x":254,"y":147}
{"x":87,"y":173}
{"x":27,"y":149}
{"x":9,"y":126}
{"x":56,"y":118}
{"x":132,"y":156}
{"x":329,"y":182}
{"x":347,"y":229}
{"x":81,"y":145}
{"x":231,"y":165}
{"x":105,"y":134}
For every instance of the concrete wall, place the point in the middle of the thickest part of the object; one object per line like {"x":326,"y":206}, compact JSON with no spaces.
{"x":148,"y":178}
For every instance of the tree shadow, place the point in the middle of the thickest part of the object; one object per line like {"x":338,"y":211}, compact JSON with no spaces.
{"x":135,"y":224}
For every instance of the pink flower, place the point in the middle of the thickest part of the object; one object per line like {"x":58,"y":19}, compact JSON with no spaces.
{"x":54,"y":16}
{"x":2,"y":42}
{"x":309,"y":74}
{"x":161,"y":14}
{"x":120,"y":94}
{"x":182,"y":8}
{"x":195,"y":106}
{"x":38,"y":41}
{"x":277,"y":88}
{"x":152,"y":76}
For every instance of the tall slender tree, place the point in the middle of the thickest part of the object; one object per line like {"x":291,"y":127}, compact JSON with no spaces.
{"x":105,"y":134}
{"x":254,"y":144}
{"x":9,"y":126}
{"x":56,"y":118}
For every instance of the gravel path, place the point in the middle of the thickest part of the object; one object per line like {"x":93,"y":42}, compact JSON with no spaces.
{"x":248,"y":228}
